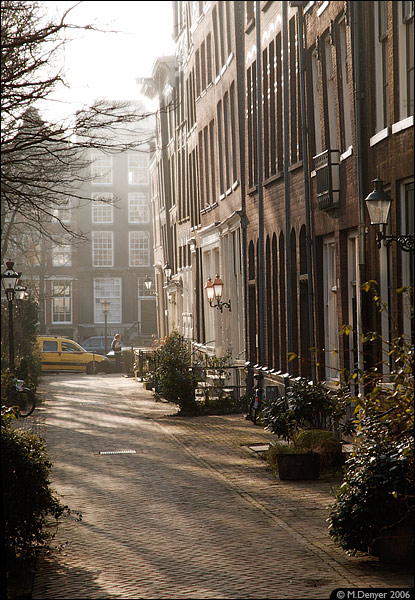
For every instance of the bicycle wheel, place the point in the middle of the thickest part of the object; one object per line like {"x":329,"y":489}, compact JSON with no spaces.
{"x":26,"y":402}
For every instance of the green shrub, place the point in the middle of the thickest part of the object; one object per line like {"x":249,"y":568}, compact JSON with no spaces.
{"x":305,"y":406}
{"x":377,"y":491}
{"x":174,"y":375}
{"x":27,"y":497}
{"x":321,"y":442}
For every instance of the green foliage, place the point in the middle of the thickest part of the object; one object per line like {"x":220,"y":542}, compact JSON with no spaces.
{"x":377,"y":490}
{"x":27,"y":496}
{"x":174,"y":375}
{"x":25,"y":330}
{"x":318,"y":441}
{"x":305,"y":406}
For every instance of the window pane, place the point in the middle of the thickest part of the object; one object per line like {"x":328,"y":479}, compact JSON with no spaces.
{"x":102,"y":209}
{"x":139,"y":249}
{"x":61,"y":301}
{"x":62,"y":254}
{"x":138,"y":169}
{"x":107,"y":288}
{"x":102,"y":249}
{"x":138,"y":209}
{"x":101,"y":168}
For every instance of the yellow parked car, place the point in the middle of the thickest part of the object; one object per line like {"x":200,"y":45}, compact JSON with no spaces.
{"x":58,"y":353}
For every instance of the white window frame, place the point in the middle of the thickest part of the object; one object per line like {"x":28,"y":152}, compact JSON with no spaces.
{"x":134,"y":249}
{"x":382,"y":108}
{"x":64,"y":212}
{"x":101,"y":169}
{"x":110,"y":248}
{"x":108,"y":288}
{"x":405,"y":54}
{"x":138,"y":203}
{"x":62,"y":254}
{"x":138,"y":172}
{"x":102,"y":210}
{"x":67,"y":313}
{"x":331,"y":328}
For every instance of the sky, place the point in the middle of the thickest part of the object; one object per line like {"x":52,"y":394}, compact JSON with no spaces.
{"x":106,"y":65}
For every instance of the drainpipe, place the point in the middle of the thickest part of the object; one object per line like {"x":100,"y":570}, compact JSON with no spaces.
{"x":306,"y":191}
{"x":359,"y":159}
{"x":286,"y":183}
{"x":261,"y":325}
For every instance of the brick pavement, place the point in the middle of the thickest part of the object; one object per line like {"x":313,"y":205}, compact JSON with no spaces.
{"x":193,"y":513}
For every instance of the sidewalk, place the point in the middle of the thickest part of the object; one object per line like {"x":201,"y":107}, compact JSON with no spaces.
{"x":180,"y":507}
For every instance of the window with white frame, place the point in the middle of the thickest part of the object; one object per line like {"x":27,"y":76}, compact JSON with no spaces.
{"x":381,"y":65}
{"x":101,"y":168}
{"x":61,"y":297}
{"x":63,"y":212}
{"x":102,"y":249}
{"x":331,"y":335}
{"x":406,"y":59}
{"x":62,"y":253}
{"x":347,"y":101}
{"x":107,"y":288}
{"x":316,"y":103}
{"x":139,"y":244}
{"x":102,"y":208}
{"x":138,"y":208}
{"x":138,"y":169}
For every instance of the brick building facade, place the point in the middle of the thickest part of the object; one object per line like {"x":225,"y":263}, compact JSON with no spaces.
{"x":270,"y":157}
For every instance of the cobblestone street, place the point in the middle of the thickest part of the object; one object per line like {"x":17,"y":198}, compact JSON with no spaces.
{"x":179,"y":508}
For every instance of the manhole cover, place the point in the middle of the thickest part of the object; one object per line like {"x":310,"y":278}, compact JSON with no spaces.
{"x":117,"y":452}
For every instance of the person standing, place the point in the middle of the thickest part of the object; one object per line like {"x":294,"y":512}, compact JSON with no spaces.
{"x":116,"y":348}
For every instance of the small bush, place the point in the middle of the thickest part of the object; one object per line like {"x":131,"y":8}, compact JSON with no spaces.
{"x":377,"y":492}
{"x":174,"y":375}
{"x":27,"y":497}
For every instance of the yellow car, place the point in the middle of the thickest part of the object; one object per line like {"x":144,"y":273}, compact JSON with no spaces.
{"x":58,"y":353}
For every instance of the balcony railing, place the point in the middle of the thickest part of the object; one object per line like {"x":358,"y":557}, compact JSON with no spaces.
{"x":327,"y":167}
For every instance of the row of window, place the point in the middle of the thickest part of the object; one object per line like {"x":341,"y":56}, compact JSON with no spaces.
{"x":102,"y":250}
{"x":102,"y":208}
{"x":102,"y":169}
{"x":105,"y":288}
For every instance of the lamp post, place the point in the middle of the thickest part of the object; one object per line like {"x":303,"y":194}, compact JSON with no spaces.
{"x":10,"y":278}
{"x":214,"y":291}
{"x":378,"y":206}
{"x":105,"y":308}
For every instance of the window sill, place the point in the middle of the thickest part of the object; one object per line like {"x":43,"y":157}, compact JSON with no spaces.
{"x":378,"y":137}
{"x":402,"y":125}
{"x":346,"y":153}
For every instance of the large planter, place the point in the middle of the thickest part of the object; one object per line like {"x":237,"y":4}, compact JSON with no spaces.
{"x":395,"y":543}
{"x":298,"y":466}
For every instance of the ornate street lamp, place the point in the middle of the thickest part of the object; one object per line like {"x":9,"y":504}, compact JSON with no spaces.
{"x":9,"y":279}
{"x":105,"y":305}
{"x":168,"y":271}
{"x":378,"y":206}
{"x":214,"y":291}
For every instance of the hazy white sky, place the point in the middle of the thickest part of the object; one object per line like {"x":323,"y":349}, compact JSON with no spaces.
{"x":99,"y":65}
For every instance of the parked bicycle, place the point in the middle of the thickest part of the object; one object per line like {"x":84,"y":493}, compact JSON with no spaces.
{"x":255,"y":406}
{"x":20,"y":396}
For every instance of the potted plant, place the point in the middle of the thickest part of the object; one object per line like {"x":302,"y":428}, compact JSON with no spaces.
{"x":305,"y":407}
{"x":374,"y":507}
